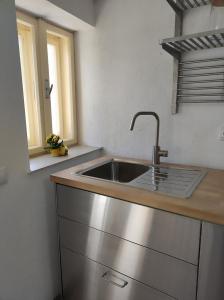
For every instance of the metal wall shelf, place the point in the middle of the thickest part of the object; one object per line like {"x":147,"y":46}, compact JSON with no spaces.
{"x":182,"y":5}
{"x":193,"y":42}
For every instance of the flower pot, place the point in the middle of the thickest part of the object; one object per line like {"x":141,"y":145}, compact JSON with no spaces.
{"x":63,"y":151}
{"x":55,"y":152}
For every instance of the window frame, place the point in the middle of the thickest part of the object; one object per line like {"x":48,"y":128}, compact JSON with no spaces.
{"x":41,"y":28}
{"x":25,"y":19}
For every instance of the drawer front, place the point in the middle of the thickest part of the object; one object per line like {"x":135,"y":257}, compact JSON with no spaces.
{"x":165,"y":232}
{"x":162,"y":272}
{"x":84,"y":279}
{"x":211,"y":267}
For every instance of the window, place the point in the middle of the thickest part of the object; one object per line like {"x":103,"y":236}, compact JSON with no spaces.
{"x":47,"y":68}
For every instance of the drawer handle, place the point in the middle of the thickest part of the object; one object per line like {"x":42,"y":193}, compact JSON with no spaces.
{"x":115,"y":280}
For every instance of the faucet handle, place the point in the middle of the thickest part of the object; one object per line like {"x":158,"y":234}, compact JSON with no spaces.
{"x":157,"y":153}
{"x":163,"y":153}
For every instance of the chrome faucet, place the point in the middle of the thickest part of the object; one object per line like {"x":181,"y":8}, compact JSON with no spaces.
{"x":157,"y":152}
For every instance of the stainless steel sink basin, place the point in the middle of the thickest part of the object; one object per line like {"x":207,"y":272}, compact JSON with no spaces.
{"x":118,"y":171}
{"x":176,"y":182}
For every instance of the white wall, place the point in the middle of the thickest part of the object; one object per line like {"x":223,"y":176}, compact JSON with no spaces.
{"x":28,"y":234}
{"x":124,"y":70}
{"x":79,"y":8}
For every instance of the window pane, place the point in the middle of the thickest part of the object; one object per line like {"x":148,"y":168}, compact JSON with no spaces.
{"x":60,"y":64}
{"x":30,"y":84}
{"x":53,"y":74}
{"x":24,"y":89}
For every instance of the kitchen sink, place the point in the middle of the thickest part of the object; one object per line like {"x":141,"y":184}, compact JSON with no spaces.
{"x":171,"y":181}
{"x":118,"y":171}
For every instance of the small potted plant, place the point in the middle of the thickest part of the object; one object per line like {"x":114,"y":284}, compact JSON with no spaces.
{"x":56,"y":145}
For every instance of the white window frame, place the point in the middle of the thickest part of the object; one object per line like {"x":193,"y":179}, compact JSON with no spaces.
{"x":41,"y":30}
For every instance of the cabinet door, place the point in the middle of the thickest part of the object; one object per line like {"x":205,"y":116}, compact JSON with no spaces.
{"x":84,"y":279}
{"x":157,"y":270}
{"x":211,"y":266}
{"x":165,"y":232}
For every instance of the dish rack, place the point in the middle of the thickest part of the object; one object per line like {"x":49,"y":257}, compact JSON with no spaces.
{"x":195,"y":80}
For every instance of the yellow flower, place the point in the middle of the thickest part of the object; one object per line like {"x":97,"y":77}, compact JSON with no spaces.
{"x":55,"y":139}
{"x":49,"y":138}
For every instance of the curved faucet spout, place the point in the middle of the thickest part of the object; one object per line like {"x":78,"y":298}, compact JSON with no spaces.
{"x":157,"y":153}
{"x":147,"y":113}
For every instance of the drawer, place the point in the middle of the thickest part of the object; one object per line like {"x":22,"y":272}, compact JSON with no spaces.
{"x":84,"y":279}
{"x":162,"y":272}
{"x":165,"y":232}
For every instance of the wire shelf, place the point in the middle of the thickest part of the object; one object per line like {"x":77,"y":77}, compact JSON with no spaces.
{"x":183,"y":5}
{"x":194,"y":42}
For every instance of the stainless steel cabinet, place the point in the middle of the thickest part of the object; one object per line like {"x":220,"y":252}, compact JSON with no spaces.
{"x":84,"y":279}
{"x":165,"y":273}
{"x":162,"y":231}
{"x":156,"y":249}
{"x":211,"y":267}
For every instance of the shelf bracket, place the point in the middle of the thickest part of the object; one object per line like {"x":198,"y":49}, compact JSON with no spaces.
{"x":175,"y":7}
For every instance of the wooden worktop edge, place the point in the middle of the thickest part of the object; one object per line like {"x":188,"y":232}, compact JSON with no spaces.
{"x":206,"y":203}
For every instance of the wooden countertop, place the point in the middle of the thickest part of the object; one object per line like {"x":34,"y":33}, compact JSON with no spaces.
{"x":206,"y":203}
